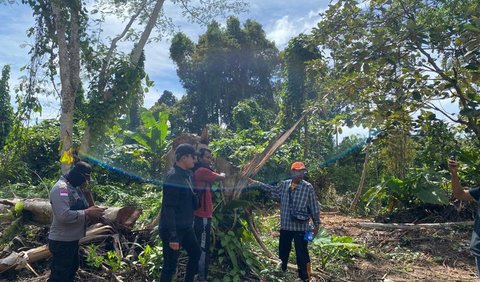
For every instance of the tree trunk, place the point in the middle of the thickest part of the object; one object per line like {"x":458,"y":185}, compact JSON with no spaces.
{"x":85,"y":140}
{"x":69,"y":65}
{"x":135,"y":58}
{"x":411,"y":226}
{"x":362,"y":180}
{"x":40,"y":212}
{"x":137,"y":51}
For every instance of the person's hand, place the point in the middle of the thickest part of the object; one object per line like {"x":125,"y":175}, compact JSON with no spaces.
{"x":253,"y":182}
{"x":315,"y":231}
{"x":94,"y":212}
{"x":174,"y":246}
{"x":453,"y":165}
{"x":222,"y":174}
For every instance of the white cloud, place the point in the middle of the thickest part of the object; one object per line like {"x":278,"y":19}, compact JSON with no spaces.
{"x":286,"y":28}
{"x":283,"y":30}
{"x":281,"y":20}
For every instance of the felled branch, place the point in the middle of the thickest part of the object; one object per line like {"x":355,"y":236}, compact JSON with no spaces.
{"x":411,"y":226}
{"x":22,"y":259}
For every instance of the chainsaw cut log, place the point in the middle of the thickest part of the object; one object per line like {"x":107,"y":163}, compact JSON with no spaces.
{"x":40,"y":211}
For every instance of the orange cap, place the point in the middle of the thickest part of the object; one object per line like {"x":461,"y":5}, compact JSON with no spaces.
{"x":297,"y":166}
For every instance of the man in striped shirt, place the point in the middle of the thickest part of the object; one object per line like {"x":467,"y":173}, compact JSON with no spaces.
{"x":298,"y":203}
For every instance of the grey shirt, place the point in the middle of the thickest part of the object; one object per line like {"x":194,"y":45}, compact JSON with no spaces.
{"x":68,"y":205}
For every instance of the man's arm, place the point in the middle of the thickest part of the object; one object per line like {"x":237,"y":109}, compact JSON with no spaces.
{"x":171,"y":191}
{"x":458,"y":191}
{"x":207,"y":175}
{"x":314,"y":207}
{"x":274,"y":190}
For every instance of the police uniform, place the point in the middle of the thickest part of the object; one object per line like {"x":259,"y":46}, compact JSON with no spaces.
{"x":68,"y":227}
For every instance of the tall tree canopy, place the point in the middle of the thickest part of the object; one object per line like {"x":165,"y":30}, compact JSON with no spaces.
{"x":391,"y":58}
{"x":298,"y":90}
{"x":226,"y":66}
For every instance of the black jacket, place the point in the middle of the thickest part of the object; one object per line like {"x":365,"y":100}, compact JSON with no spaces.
{"x":177,"y":204}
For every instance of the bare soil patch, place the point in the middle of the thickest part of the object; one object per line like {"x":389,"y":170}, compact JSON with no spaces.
{"x":404,"y":255}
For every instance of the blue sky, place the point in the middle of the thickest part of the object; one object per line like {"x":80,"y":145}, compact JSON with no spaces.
{"x":281,"y":21}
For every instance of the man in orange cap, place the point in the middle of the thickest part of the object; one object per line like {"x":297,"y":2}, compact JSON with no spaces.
{"x":298,"y":204}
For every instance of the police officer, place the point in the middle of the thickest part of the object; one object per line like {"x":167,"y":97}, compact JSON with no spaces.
{"x":71,"y":212}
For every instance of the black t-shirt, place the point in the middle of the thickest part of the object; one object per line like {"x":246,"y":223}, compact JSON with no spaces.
{"x":475,"y":241}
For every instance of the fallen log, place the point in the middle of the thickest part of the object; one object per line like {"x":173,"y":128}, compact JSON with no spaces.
{"x":40,"y":212}
{"x":37,"y":210}
{"x":22,"y":259}
{"x":412,"y":226}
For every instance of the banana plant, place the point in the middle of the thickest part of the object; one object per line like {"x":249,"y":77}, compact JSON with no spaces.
{"x":152,"y":135}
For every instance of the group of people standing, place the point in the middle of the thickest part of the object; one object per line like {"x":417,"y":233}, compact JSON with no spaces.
{"x":187,"y":209}
{"x":186,"y":213}
{"x":185,"y":216}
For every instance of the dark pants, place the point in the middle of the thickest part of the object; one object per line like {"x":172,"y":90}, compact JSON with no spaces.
{"x":202,"y":226}
{"x":64,"y":260}
{"x":477,"y":262}
{"x":301,"y":251}
{"x":188,"y":241}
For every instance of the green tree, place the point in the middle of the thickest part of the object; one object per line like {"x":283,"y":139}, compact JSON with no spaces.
{"x":167,"y":99}
{"x":393,"y":58}
{"x":168,"y":103}
{"x":226,"y":66}
{"x":153,"y":137}
{"x":299,"y":52}
{"x":114,"y":80}
{"x":6,"y":110}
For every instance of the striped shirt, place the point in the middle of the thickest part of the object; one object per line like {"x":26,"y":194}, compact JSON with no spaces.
{"x":303,"y":199}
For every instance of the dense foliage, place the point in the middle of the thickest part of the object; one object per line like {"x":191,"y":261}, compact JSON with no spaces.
{"x":383,"y":65}
{"x":226,"y":66}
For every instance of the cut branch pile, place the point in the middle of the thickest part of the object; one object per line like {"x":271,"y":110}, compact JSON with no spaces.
{"x":113,"y":233}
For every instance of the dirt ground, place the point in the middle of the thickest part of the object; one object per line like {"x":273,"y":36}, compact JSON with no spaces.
{"x":425,"y":254}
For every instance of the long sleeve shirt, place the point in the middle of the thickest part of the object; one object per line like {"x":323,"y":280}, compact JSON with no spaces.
{"x":177,"y":203}
{"x":301,"y":199}
{"x":68,"y":205}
